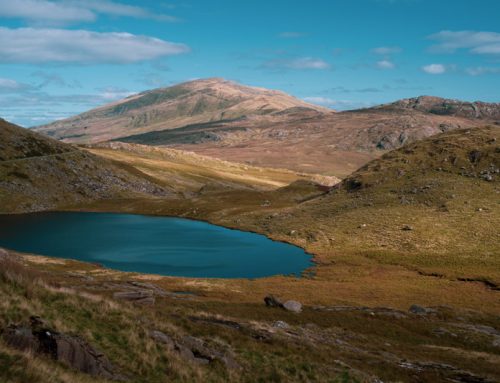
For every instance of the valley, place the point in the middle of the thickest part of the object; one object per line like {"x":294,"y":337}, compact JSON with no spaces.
{"x":405,"y":249}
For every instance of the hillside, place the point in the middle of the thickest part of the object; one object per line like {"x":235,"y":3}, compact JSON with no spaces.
{"x":38,"y":173}
{"x":193,"y":102}
{"x":222,"y":119}
{"x":189,"y":172}
{"x":405,"y":286}
{"x":335,"y":143}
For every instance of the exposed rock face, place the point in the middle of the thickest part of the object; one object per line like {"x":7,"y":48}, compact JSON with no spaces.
{"x":73,"y":351}
{"x":447,"y":107}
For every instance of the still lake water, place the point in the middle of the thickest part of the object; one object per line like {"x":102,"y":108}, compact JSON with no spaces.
{"x":153,"y":245}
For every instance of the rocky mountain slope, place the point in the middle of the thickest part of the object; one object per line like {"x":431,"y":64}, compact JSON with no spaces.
{"x":268,"y":128}
{"x":193,"y":102}
{"x":446,"y":107}
{"x":38,"y":173}
{"x":331,"y":143}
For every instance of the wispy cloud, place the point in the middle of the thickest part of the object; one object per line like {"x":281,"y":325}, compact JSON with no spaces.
{"x":385,"y":64}
{"x":478,"y":71}
{"x":434,"y":69}
{"x":475,"y":42}
{"x":8,"y":85}
{"x":386,"y":50}
{"x":291,"y":35}
{"x":28,"y":45}
{"x":72,"y":11}
{"x":28,"y":105}
{"x":297,"y":63}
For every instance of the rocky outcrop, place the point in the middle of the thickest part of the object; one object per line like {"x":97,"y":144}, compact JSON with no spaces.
{"x":195,"y":349}
{"x":40,"y":339}
{"x":447,"y":107}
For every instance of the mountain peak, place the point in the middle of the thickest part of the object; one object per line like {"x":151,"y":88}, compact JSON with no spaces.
{"x":193,"y":102}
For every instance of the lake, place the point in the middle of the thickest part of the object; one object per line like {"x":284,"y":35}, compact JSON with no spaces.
{"x":153,"y":245}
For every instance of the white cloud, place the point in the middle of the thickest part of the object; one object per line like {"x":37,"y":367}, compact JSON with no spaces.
{"x":298,"y":63}
{"x":28,"y":45}
{"x":385,"y":64}
{"x":478,"y":71}
{"x":475,"y":42}
{"x":291,"y":35}
{"x":386,"y":50}
{"x":434,"y":68}
{"x":72,"y":11}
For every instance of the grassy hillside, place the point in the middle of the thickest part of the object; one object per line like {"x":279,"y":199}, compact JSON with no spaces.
{"x":38,"y":173}
{"x":189,"y":172}
{"x":416,"y":226}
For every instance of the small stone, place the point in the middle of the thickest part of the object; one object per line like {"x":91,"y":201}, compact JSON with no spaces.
{"x":280,"y":324}
{"x":407,"y":228}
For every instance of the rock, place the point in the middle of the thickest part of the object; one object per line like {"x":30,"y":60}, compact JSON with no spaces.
{"x":293,"y":306}
{"x":407,"y":228}
{"x":139,"y":297}
{"x":3,"y":254}
{"x":272,"y":301}
{"x":475,"y":156}
{"x":162,"y":338}
{"x":280,"y":324}
{"x":419,"y":310}
{"x":73,"y":351}
{"x":196,"y":350}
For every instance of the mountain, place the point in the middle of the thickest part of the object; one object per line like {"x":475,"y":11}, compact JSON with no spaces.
{"x":328,"y":143}
{"x":39,"y":173}
{"x":266,"y":128}
{"x":193,"y":102}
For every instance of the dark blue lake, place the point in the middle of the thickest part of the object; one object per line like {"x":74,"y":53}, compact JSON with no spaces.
{"x":154,"y":245}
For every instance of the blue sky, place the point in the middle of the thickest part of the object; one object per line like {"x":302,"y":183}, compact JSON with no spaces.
{"x":62,"y":57}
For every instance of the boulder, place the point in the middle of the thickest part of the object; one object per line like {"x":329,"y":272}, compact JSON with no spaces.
{"x":293,"y":306}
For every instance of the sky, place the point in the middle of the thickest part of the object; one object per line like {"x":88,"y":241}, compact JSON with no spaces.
{"x":59,"y":58}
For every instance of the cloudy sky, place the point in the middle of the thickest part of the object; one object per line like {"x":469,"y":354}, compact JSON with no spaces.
{"x":62,"y":57}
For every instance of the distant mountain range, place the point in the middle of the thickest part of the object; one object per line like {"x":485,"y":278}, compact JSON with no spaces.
{"x":268,"y":128}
